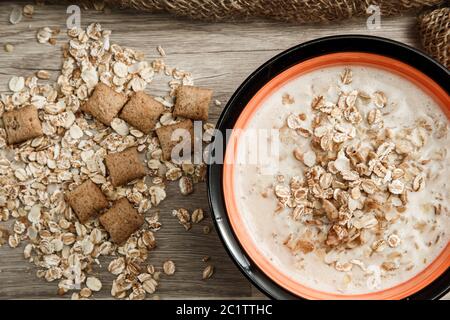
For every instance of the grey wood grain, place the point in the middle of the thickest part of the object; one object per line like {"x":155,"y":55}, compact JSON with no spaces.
{"x":220,"y":56}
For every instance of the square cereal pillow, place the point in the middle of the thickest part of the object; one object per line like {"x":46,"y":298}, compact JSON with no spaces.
{"x":22,"y":124}
{"x":142,"y":112}
{"x":104,"y":104}
{"x":165,"y":136}
{"x":86,"y":200}
{"x":124,"y":166}
{"x":192,"y":102}
{"x":121,"y":221}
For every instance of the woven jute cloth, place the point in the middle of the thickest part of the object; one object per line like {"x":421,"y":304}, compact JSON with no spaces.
{"x":434,"y":30}
{"x":286,"y":10}
{"x":433,"y":24}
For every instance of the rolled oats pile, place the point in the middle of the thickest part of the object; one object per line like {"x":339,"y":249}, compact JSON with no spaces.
{"x":68,"y":148}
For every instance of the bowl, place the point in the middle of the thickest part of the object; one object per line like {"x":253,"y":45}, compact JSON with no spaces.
{"x":431,"y":283}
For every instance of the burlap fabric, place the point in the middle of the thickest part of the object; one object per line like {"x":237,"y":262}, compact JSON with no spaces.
{"x":433,"y":25}
{"x":286,"y":10}
{"x":434,"y":30}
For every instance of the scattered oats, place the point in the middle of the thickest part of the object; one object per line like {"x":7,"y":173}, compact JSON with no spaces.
{"x":148,"y":239}
{"x":321,"y":131}
{"x":34,"y":215}
{"x":120,"y":126}
{"x":16,"y":84}
{"x":27,"y":251}
{"x":217,"y":103}
{"x":75,"y":296}
{"x":72,"y":150}
{"x":16,"y":15}
{"x":149,"y":286}
{"x":136,"y":133}
{"x":117,"y":266}
{"x":137,"y":84}
{"x":369,"y":186}
{"x":21,"y":174}
{"x":169,"y":267}
{"x":157,"y":194}
{"x":28,"y":10}
{"x":43,"y":75}
{"x":120,"y":69}
{"x":309,"y":158}
{"x":94,"y":284}
{"x":90,"y":77}
{"x":161,"y":51}
{"x":208,"y":272}
{"x":75,"y":132}
{"x":174,"y":174}
{"x":206,"y":229}
{"x":355,"y":194}
{"x":13,"y":241}
{"x":43,"y":35}
{"x":157,"y":275}
{"x":397,"y":173}
{"x":183,"y":217}
{"x":396,"y":187}
{"x":85,"y":293}
{"x":197,"y":215}
{"x":186,"y":185}
{"x":9,"y":47}
{"x":166,"y":118}
{"x":188,"y":168}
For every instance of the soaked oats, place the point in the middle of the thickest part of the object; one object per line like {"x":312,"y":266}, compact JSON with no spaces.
{"x":361,"y":173}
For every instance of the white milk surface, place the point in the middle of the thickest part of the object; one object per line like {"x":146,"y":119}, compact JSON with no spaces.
{"x":406,"y":103}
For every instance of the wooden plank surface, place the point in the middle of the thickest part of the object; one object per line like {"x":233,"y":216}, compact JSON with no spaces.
{"x":220,"y":56}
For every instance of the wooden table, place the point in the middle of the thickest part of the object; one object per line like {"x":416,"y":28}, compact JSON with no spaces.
{"x":220,"y":56}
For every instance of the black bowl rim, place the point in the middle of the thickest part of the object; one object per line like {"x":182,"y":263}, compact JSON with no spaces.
{"x":240,"y":98}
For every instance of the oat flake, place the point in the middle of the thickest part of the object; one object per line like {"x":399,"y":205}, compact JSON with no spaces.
{"x":16,"y":84}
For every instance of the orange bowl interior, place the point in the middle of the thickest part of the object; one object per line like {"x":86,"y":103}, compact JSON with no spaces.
{"x":403,"y":290}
